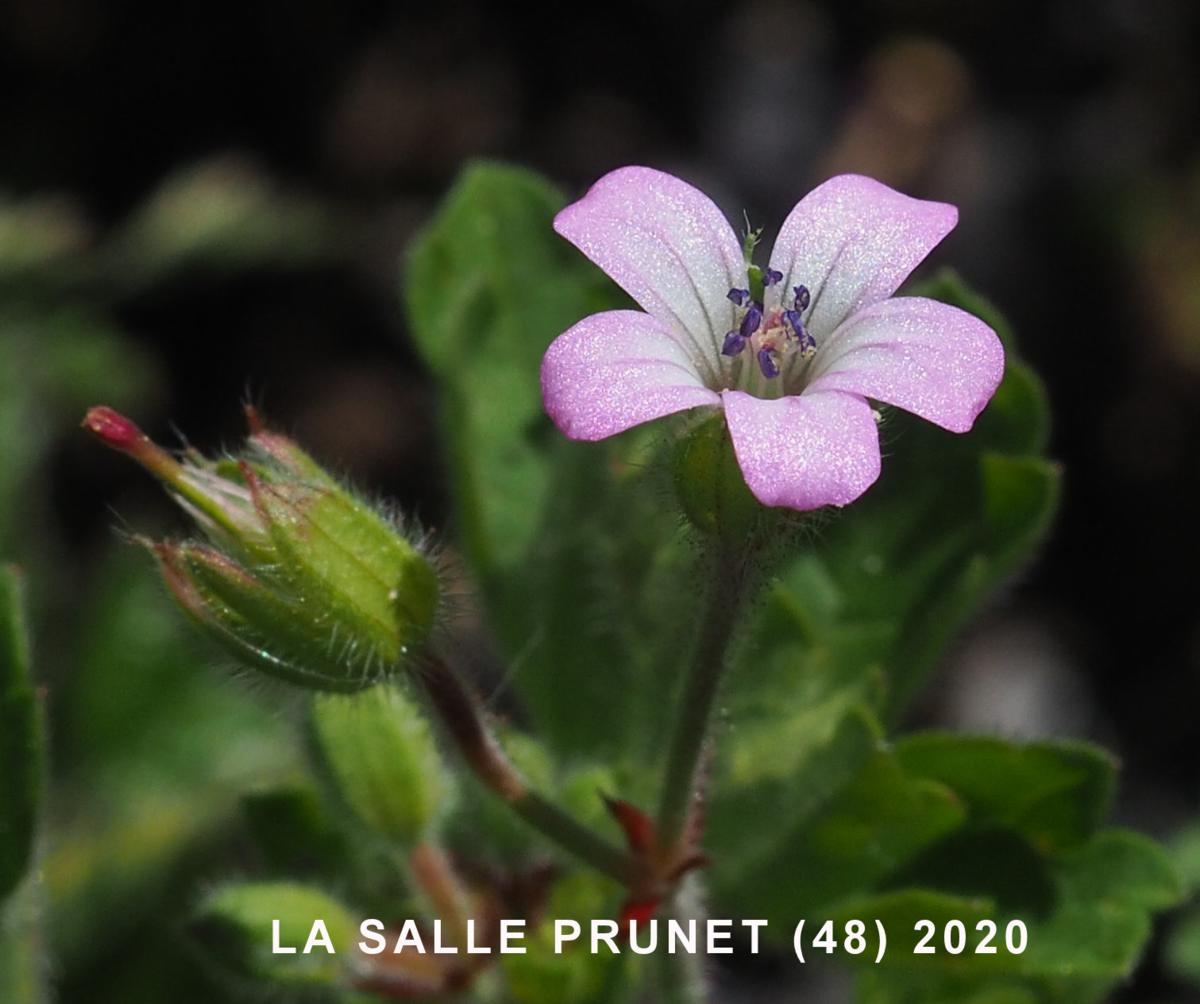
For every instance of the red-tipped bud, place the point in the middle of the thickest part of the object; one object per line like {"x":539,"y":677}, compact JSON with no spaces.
{"x":120,"y":433}
{"x":114,"y":429}
{"x":305,"y":581}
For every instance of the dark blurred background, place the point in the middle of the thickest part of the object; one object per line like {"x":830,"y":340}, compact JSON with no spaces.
{"x":313,"y":139}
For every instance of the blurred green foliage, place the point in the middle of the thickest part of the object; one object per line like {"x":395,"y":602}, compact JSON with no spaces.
{"x":151,"y":748}
{"x":21,"y":768}
{"x":20,"y":737}
{"x":1182,"y":949}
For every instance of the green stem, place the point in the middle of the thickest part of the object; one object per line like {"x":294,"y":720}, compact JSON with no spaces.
{"x":700,"y":689}
{"x":460,"y":713}
{"x":680,"y":977}
{"x":570,"y":834}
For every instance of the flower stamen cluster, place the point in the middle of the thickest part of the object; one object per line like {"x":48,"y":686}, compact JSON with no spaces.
{"x":776,"y":336}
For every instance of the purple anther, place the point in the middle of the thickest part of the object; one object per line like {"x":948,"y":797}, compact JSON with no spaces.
{"x":795,"y":323}
{"x":766,"y":363}
{"x":734,"y":343}
{"x":803,"y":298}
{"x":751,"y":321}
{"x":771,"y":276}
{"x":739,"y":296}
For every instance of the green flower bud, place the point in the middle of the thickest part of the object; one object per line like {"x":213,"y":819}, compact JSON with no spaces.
{"x":303,"y":580}
{"x":382,"y":756}
{"x":240,"y":927}
{"x":710,"y":486}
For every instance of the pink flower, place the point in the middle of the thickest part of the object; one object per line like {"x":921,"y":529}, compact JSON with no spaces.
{"x":792,"y":353}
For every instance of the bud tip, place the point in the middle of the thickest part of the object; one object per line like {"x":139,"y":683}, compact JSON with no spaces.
{"x":120,"y":433}
{"x":113,"y":429}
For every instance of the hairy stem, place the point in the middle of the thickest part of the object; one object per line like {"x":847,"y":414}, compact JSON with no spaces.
{"x":459,"y":711}
{"x":680,"y":977}
{"x":727,"y":590}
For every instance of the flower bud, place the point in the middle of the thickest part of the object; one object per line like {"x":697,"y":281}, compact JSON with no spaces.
{"x":301,"y":578}
{"x":380,"y":751}
{"x":236,"y":926}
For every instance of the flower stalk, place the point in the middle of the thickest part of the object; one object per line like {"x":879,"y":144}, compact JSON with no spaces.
{"x":727,"y":592}
{"x":459,"y":711}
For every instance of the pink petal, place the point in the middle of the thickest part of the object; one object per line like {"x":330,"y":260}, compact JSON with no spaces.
{"x":852,"y":241}
{"x":668,"y":246}
{"x":807,"y":451}
{"x":615,"y":370}
{"x":926,"y":357}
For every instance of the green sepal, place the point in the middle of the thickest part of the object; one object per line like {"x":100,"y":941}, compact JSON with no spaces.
{"x":339,"y":554}
{"x":711,"y":488}
{"x":263,"y":629}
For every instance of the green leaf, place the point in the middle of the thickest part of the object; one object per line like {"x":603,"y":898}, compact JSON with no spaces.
{"x":868,"y":830}
{"x":901,"y":910}
{"x":112,"y":864}
{"x":1054,"y":794}
{"x":1091,"y":935}
{"x":786,"y":774}
{"x":1108,"y":892}
{"x":577,"y":556}
{"x":20,"y":738}
{"x":488,"y":286}
{"x":606,"y":599}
